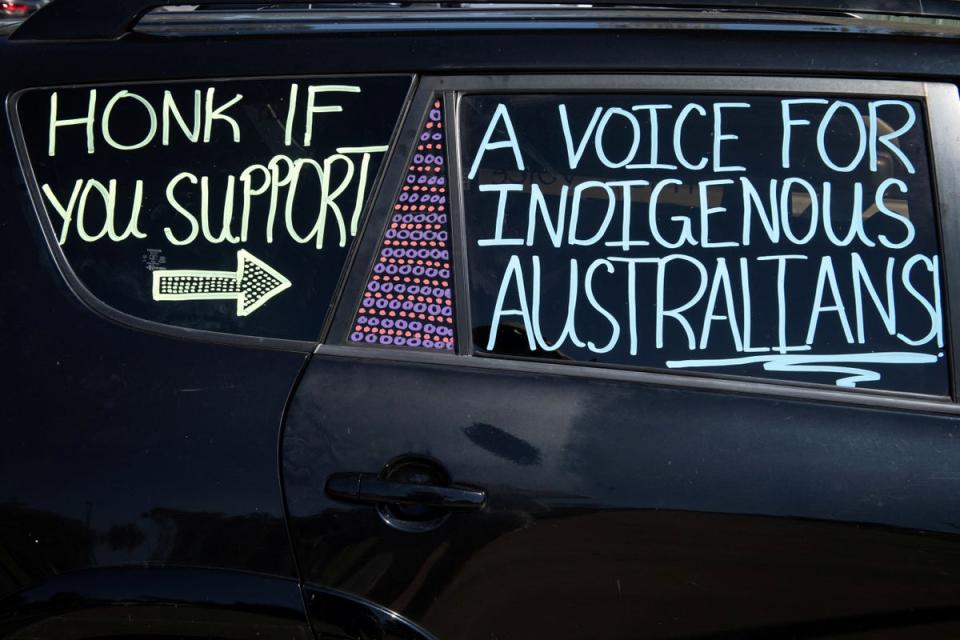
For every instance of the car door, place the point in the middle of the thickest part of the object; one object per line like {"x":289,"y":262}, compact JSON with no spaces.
{"x":518,"y":476}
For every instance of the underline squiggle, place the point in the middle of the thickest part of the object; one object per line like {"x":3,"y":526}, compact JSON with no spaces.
{"x":812,"y":363}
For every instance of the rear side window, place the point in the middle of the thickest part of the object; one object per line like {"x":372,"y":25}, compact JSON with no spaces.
{"x":782,"y":237}
{"x":227,"y":206}
{"x":408,"y":298}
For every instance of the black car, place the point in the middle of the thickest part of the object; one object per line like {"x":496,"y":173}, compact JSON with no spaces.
{"x":475,"y":321}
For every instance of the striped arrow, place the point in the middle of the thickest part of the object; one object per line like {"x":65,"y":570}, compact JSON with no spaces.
{"x":252,"y":284}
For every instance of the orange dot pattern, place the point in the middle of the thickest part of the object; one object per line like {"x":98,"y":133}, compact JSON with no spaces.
{"x":408,"y":300}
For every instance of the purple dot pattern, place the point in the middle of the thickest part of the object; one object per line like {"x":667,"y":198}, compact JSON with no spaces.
{"x":408,"y":301}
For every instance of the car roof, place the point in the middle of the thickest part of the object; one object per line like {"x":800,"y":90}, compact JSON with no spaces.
{"x":110,"y":19}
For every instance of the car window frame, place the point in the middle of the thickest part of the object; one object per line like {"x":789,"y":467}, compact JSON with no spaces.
{"x":940,"y":102}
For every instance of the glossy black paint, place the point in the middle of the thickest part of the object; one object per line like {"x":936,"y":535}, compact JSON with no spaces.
{"x":335,"y":615}
{"x":125,"y":447}
{"x":122,"y":447}
{"x":660,"y":512}
{"x":156,"y":602}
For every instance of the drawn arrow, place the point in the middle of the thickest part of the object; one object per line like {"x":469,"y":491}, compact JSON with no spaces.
{"x":251,"y":285}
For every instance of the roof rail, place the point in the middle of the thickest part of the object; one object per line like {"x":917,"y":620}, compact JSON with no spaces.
{"x":112,"y":19}
{"x":101,"y":19}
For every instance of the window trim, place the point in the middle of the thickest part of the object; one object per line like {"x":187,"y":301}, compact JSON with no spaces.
{"x":866,"y":398}
{"x":490,"y":17}
{"x":941,"y":104}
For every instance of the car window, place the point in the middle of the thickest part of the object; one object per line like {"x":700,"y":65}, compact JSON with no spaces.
{"x":408,"y":298}
{"x":791,"y":237}
{"x":228,"y":206}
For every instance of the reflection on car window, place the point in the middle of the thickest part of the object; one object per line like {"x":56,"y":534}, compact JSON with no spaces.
{"x":790,"y":238}
{"x":226,"y":206}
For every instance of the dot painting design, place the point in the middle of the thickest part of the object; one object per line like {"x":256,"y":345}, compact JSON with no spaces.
{"x":408,"y":301}
{"x":255,"y":282}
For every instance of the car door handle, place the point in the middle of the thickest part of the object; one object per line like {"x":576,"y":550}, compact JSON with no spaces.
{"x":368,"y":487}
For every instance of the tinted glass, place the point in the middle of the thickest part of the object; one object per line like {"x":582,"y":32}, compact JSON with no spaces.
{"x":784,"y":237}
{"x":227,"y":206}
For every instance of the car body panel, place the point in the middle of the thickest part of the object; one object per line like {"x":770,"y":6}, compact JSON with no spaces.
{"x":620,"y":504}
{"x":627,"y":498}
